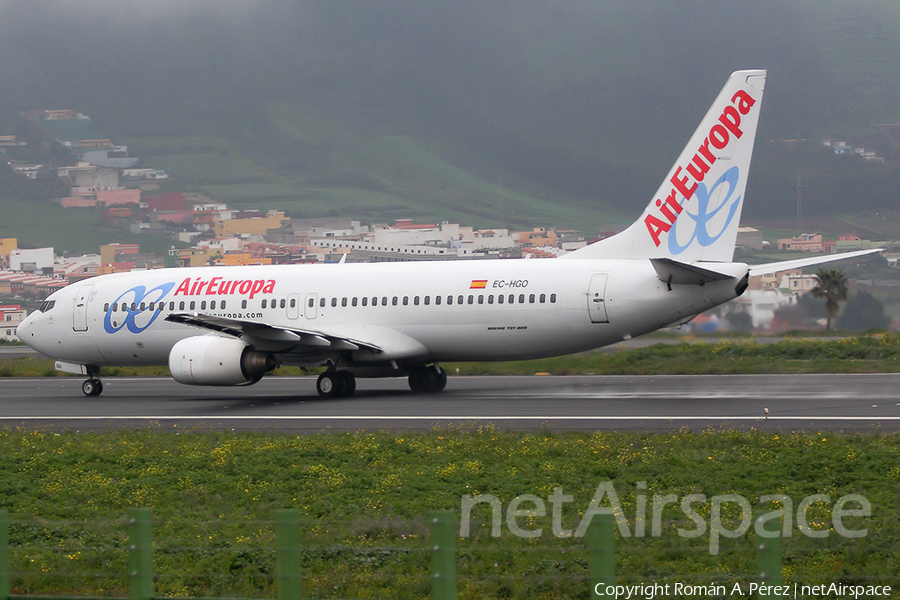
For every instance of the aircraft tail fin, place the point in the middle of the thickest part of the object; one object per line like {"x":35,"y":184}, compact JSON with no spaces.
{"x":694,"y":215}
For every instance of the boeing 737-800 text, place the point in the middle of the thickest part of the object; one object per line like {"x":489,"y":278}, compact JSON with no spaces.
{"x":232,"y":325}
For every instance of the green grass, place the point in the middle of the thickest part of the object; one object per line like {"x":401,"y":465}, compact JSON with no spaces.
{"x":363,"y":498}
{"x":43,"y":223}
{"x":878,"y":353}
{"x":329,"y":169}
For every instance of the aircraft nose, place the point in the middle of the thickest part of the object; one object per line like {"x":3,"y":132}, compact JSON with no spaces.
{"x":25,"y":330}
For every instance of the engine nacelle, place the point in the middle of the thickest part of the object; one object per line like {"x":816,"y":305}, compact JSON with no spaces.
{"x":214,"y":360}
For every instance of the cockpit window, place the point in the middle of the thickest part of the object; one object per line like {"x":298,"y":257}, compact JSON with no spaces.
{"x":47,"y":305}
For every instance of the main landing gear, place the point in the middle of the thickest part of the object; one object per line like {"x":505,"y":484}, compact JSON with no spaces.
{"x":336,"y":384}
{"x":427,"y":380}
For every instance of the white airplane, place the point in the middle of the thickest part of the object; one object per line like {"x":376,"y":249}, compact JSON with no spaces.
{"x":232,"y":325}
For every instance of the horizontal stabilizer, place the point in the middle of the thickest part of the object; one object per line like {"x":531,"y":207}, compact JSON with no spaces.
{"x":673,"y":272}
{"x":786,"y":265}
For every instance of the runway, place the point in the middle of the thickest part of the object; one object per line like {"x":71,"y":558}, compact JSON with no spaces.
{"x":852,"y":403}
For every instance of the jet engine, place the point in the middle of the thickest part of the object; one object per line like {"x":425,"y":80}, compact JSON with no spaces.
{"x":215,"y":360}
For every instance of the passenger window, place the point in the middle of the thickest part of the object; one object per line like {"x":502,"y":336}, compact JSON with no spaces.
{"x":553,"y":298}
{"x":115,"y":308}
{"x":193,"y":305}
{"x":212,"y":305}
{"x":294,"y":302}
{"x":172,"y":305}
{"x":181,"y":305}
{"x":405,"y":300}
{"x":282,"y":303}
{"x":512,"y":298}
{"x":222,"y":305}
{"x":312,"y":303}
{"x":491,"y":299}
{"x":143,"y":306}
{"x":384,"y":301}
{"x":134,"y":307}
{"x":203,"y":305}
{"x":354,"y":302}
{"x":531,"y":298}
{"x":243,"y":304}
{"x":365,"y":301}
{"x":459,"y":299}
{"x":152,"y":306}
{"x":480,"y":299}
{"x":264,"y":303}
{"x":521,"y":298}
{"x":106,"y":307}
{"x":428,"y":300}
{"x":437,"y":300}
{"x":394,"y":301}
{"x":543,"y":298}
{"x":334,"y":302}
{"x":343,"y":302}
{"x":322,"y":302}
{"x":449,"y":300}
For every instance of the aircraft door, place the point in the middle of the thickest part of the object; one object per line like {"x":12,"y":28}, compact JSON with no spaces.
{"x":293,"y":306}
{"x":311,"y":310}
{"x":597,"y":298}
{"x":80,"y":316}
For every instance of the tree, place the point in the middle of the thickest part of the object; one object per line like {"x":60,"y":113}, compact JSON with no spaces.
{"x":863,"y":311}
{"x":831,"y":284}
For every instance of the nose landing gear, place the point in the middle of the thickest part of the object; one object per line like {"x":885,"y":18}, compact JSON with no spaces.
{"x":92,"y":387}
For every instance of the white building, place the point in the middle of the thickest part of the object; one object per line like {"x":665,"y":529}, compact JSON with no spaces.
{"x":31,"y":261}
{"x":10,"y":317}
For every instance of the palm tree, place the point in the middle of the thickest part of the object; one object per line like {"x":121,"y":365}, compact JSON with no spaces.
{"x":831,"y":284}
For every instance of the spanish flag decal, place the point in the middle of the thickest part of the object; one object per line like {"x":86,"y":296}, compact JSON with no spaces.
{"x":478,"y":284}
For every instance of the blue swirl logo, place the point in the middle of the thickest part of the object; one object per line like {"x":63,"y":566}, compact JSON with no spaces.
{"x":131,"y":317}
{"x":704,"y":215}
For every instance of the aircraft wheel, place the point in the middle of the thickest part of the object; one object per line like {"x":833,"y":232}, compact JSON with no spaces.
{"x":419,"y":380}
{"x":331,"y":384}
{"x":439,"y":381}
{"x":349,"y":382}
{"x":92,"y":387}
{"x":427,"y":380}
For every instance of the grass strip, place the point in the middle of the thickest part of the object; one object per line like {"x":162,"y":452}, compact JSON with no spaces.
{"x":364,"y":497}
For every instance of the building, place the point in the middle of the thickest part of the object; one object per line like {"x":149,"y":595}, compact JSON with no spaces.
{"x":10,"y":317}
{"x":112,"y":253}
{"x":35,"y":260}
{"x":805,"y":242}
{"x":750,"y":238}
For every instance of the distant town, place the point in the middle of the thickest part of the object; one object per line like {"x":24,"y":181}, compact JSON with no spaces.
{"x":105,"y":176}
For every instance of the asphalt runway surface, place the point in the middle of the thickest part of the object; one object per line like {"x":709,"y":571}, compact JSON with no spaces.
{"x":851,"y":403}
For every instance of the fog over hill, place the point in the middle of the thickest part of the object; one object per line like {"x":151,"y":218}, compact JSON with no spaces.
{"x":586,"y":100}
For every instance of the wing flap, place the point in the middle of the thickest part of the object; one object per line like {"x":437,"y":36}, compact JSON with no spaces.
{"x":272,"y":337}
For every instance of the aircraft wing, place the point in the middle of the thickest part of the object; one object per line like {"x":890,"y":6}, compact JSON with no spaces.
{"x":786,"y":265}
{"x":274,"y":338}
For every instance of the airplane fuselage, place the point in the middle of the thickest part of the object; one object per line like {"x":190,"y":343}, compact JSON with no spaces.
{"x":459,"y":311}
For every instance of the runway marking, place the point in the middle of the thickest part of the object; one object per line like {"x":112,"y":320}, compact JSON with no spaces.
{"x":449,"y":418}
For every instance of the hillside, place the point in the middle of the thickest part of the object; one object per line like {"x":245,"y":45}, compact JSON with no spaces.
{"x":422,"y":109}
